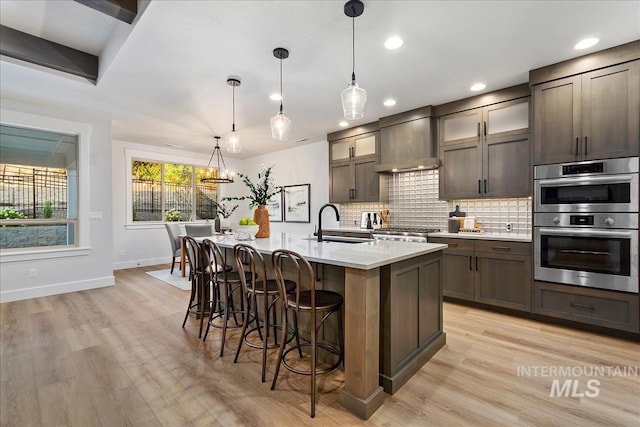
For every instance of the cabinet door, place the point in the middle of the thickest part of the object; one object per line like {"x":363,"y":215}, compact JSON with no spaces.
{"x":503,"y":280}
{"x":461,"y":172}
{"x":611,"y":112}
{"x":556,"y":121}
{"x":409,"y":140}
{"x":365,"y":145}
{"x":506,"y":167}
{"x":340,"y":183}
{"x":460,"y":127}
{"x":340,"y":150}
{"x":366,"y":182}
{"x":457,"y":268}
{"x":506,"y":118}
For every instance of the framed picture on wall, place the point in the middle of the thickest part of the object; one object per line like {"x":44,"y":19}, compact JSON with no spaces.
{"x":274,"y":206}
{"x":297,"y":203}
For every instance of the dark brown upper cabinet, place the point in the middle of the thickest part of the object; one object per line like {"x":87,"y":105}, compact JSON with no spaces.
{"x":353,"y":155}
{"x":587,"y":108}
{"x":485,"y":151}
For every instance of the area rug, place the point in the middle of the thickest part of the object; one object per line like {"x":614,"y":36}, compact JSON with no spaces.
{"x":172,"y":279}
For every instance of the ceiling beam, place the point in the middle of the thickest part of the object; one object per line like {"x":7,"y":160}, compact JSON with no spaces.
{"x":124,"y":10}
{"x":23,"y":46}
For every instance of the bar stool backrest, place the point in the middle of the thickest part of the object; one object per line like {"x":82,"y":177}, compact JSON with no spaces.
{"x":214,"y":259}
{"x":249,"y":260}
{"x":303,"y":274}
{"x":194,"y":257}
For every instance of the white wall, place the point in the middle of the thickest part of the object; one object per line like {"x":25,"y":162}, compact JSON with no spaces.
{"x":149,"y":244}
{"x":66,"y":270}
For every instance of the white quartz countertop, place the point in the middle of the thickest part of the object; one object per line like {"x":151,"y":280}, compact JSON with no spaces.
{"x":362,"y":256}
{"x":513,"y":237}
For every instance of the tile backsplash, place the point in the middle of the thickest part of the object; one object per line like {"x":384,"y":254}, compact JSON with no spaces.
{"x":413,"y":202}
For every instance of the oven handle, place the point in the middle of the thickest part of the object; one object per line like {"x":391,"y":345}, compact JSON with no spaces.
{"x":617,"y":179}
{"x":585,"y":233}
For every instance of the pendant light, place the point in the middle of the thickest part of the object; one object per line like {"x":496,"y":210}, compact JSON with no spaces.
{"x":353,"y":97}
{"x":280,"y":123}
{"x":233,"y":141}
{"x":222,"y":175}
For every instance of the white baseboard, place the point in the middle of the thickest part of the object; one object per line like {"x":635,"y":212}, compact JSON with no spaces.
{"x":142,"y":263}
{"x":55,"y":289}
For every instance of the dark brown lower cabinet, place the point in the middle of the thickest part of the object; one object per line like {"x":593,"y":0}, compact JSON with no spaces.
{"x":487,"y":271}
{"x":410,"y":318}
{"x":609,"y":309}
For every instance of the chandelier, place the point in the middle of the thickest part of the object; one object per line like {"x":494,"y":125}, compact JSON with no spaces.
{"x":221,"y":175}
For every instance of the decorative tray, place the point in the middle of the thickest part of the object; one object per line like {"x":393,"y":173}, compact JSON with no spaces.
{"x":470,"y":230}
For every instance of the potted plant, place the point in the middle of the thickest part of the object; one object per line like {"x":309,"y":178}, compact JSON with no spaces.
{"x":172,"y":215}
{"x":259,"y":194}
{"x":224,"y":212}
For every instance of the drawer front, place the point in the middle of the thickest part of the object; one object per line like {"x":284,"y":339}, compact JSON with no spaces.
{"x":593,"y":306}
{"x":501,"y":246}
{"x":454,"y":244}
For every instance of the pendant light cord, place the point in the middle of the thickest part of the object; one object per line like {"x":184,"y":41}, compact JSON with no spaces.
{"x":281,"y":85}
{"x":233,"y":109}
{"x":353,"y":49}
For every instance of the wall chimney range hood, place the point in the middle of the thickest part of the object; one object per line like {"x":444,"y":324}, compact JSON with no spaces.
{"x":408,"y":142}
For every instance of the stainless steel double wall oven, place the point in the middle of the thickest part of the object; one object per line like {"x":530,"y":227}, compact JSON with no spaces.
{"x":586,"y":223}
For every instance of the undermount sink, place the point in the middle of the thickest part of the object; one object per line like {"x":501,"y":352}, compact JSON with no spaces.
{"x":339,"y":239}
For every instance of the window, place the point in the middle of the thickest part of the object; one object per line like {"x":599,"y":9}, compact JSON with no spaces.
{"x":38,"y":188}
{"x":158,"y":187}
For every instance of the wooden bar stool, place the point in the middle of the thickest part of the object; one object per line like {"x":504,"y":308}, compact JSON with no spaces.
{"x":201,"y":277}
{"x":307,"y":299}
{"x":226,"y":284}
{"x":256,"y":286}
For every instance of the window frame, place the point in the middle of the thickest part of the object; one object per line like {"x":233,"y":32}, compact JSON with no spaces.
{"x":162,"y":158}
{"x":82,"y":131}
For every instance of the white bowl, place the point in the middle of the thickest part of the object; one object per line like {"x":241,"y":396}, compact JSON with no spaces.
{"x":251,"y":229}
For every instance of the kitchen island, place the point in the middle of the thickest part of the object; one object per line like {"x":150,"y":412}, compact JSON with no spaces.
{"x":393,"y":308}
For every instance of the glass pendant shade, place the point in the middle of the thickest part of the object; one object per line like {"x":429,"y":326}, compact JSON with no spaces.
{"x":280,"y":123}
{"x":280,"y":127}
{"x":354,"y":99}
{"x":232,"y":142}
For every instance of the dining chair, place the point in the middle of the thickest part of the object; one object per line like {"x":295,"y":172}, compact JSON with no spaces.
{"x":174,"y":236}
{"x":198,"y":230}
{"x":256,"y":287}
{"x":307,"y":299}
{"x":201,"y":279}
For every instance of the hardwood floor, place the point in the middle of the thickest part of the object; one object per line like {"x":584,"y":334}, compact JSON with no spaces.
{"x":118,"y":356}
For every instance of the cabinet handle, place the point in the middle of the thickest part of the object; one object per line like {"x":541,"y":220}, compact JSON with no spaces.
{"x":588,"y":307}
{"x":478,"y":129}
{"x":479,"y":187}
{"x":485,"y":128}
{"x":577,"y":142}
{"x":476,"y":263}
{"x":501,"y":248}
{"x":485,"y":185}
{"x":470,"y":266}
{"x":453,"y":245}
{"x":586,"y":150}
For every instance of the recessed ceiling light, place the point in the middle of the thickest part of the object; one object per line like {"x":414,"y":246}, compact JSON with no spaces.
{"x":393,"y":42}
{"x":478,"y":86}
{"x":586,"y":43}
{"x":389,"y":102}
{"x":275,"y":97}
{"x":343,"y":124}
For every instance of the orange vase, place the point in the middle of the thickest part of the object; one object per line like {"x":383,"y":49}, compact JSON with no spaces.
{"x":261,"y":217}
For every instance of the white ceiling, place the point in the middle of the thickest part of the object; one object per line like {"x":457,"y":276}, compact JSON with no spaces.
{"x":163,"y":79}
